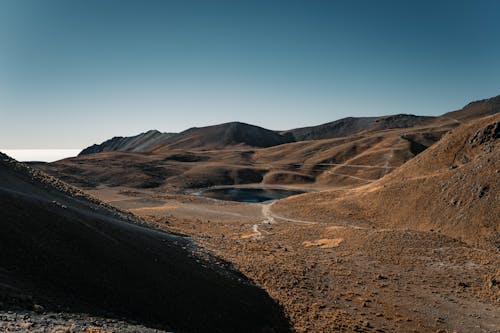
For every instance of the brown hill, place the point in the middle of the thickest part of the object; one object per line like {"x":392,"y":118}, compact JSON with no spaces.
{"x":356,"y":159}
{"x":62,"y":249}
{"x":476,"y":109}
{"x":223,"y":135}
{"x":337,"y":128}
{"x":451,"y":188}
{"x":351,"y":160}
{"x":351,"y":125}
{"x":399,"y":121}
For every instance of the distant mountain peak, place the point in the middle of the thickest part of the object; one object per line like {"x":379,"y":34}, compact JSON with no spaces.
{"x":140,"y":142}
{"x":476,"y":109}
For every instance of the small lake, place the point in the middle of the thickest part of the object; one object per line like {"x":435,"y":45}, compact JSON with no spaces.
{"x":248,"y":194}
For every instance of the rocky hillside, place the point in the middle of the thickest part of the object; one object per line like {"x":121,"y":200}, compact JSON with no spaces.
{"x":451,"y":188}
{"x":61,"y":250}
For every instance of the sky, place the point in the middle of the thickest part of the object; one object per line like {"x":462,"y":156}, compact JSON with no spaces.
{"x":78,"y":72}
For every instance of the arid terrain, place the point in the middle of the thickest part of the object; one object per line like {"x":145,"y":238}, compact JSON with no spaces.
{"x":398,"y":230}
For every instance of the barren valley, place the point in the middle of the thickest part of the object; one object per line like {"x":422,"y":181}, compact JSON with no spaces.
{"x":397,"y":228}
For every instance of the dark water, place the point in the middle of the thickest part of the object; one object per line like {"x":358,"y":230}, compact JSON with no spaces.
{"x":248,"y":194}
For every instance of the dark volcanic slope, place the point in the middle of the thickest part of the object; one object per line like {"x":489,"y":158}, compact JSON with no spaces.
{"x":223,"y":135}
{"x":67,"y":249}
{"x":138,"y":143}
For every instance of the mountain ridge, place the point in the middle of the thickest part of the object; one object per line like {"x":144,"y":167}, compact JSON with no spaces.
{"x":242,"y":134}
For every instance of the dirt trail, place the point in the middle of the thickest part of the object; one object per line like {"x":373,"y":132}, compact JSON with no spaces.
{"x":270,"y":218}
{"x":258,"y":234}
{"x":354,"y":177}
{"x":274,"y":217}
{"x":351,"y":165}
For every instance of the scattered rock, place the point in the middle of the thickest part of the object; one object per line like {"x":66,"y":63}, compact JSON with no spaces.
{"x":493,"y":282}
{"x":38,"y":308}
{"x":486,"y":134}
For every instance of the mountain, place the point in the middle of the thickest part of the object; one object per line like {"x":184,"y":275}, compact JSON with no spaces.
{"x":327,"y":162}
{"x":451,"y":188}
{"x":337,"y":128}
{"x":351,"y":125}
{"x":138,"y":143}
{"x":400,"y":121}
{"x":209,"y":137}
{"x":476,"y":109}
{"x":226,"y":154}
{"x":62,"y":250}
{"x":241,"y":134}
{"x":224,"y":135}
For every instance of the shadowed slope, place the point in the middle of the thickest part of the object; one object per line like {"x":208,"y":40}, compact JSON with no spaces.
{"x":74,"y":251}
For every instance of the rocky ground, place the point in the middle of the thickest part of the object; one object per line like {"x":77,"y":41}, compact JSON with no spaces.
{"x":54,"y":322}
{"x":339,"y":275}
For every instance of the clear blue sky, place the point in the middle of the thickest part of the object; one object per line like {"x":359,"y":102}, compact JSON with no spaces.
{"x":76,"y":72}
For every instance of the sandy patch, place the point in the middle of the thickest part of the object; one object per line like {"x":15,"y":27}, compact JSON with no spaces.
{"x":155,"y":208}
{"x":324,"y":243}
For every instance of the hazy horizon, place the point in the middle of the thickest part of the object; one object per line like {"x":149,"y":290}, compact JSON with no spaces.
{"x":40,"y":155}
{"x":75,"y":73}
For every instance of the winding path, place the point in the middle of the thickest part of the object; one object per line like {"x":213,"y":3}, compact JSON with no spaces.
{"x":270,"y":218}
{"x":354,"y":177}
